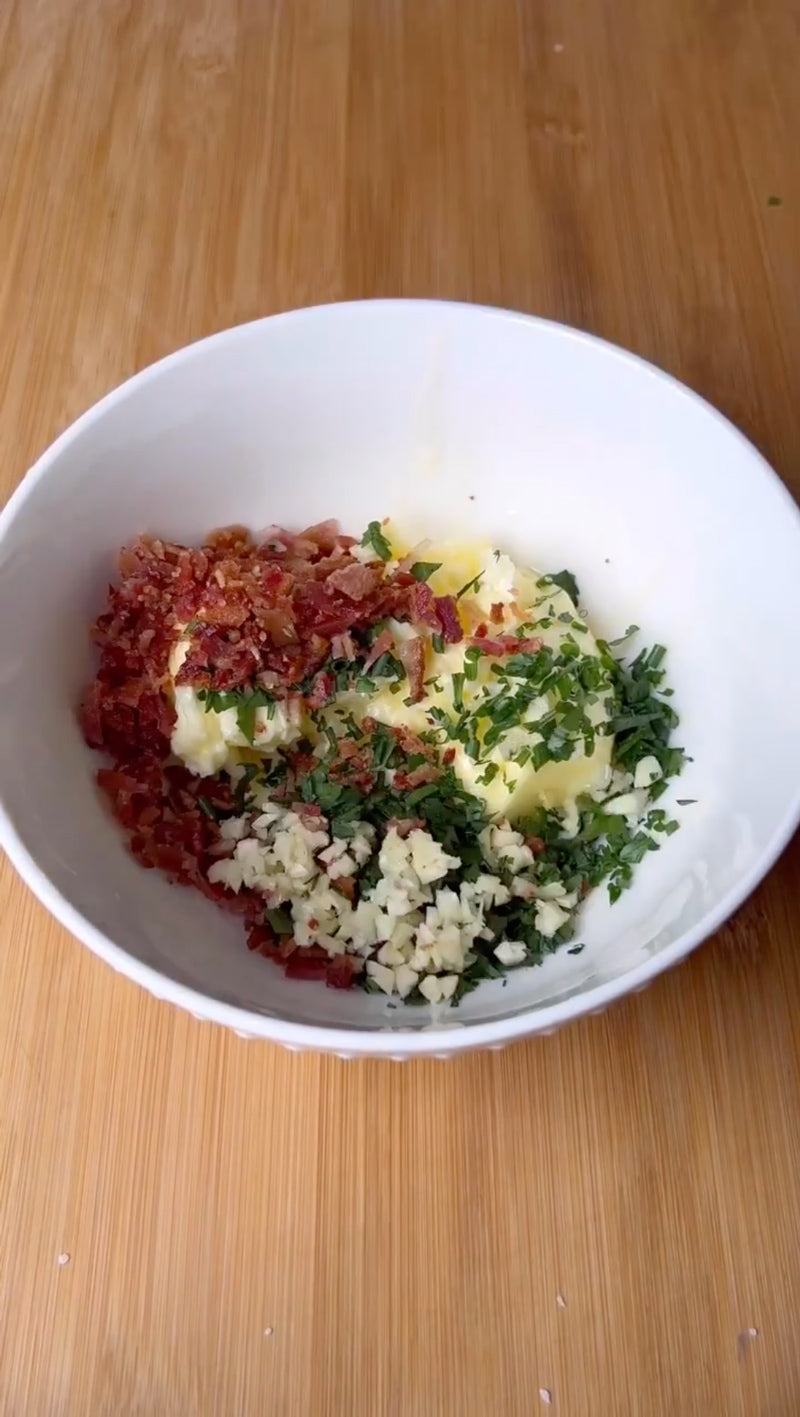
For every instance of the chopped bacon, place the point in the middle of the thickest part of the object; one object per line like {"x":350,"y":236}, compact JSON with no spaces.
{"x":327,"y":536}
{"x":412,"y":744}
{"x":497,"y":615}
{"x":278,"y":626}
{"x":309,"y":962}
{"x":91,"y":715}
{"x":341,"y":971}
{"x":231,"y":616}
{"x":322,"y":690}
{"x":263,"y":940}
{"x":417,"y":604}
{"x":506,"y":644}
{"x":535,"y":844}
{"x":355,"y":581}
{"x":412,"y":656}
{"x":448,"y":756}
{"x":404,"y":826}
{"x":447,"y":611}
{"x":346,"y":886}
{"x":382,"y":645}
{"x":247,"y":609}
{"x":418,"y":777}
{"x":354,"y":765}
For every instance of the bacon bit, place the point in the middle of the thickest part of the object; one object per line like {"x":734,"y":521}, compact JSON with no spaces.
{"x":506,"y":644}
{"x":418,"y":777}
{"x":481,"y":632}
{"x":230,"y":615}
{"x":537,"y":846}
{"x":341,"y":971}
{"x":411,"y":743}
{"x":91,"y":715}
{"x":448,"y":756}
{"x":327,"y":536}
{"x":447,"y":611}
{"x":232,"y":539}
{"x":353,"y":765}
{"x":346,"y":886}
{"x":261,"y":939}
{"x":404,"y":826}
{"x":355,"y":581}
{"x":304,"y":966}
{"x":496,"y":615}
{"x":278,"y":626}
{"x":412,"y":656}
{"x":421,"y":606}
{"x":382,"y":645}
{"x":342,"y":647}
{"x":322,"y":691}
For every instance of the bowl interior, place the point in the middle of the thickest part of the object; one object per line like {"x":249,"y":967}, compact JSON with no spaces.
{"x":457,"y":422}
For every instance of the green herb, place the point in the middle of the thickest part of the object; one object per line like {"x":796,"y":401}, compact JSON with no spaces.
{"x":374,"y":538}
{"x":438,"y":644}
{"x":387,"y":667}
{"x":643,"y":721}
{"x":280,"y":921}
{"x":631,"y":630}
{"x":566,"y":581}
{"x":423,"y":570}
{"x":458,"y":692}
{"x":246,"y":700}
{"x":474,"y":584}
{"x":205,"y":806}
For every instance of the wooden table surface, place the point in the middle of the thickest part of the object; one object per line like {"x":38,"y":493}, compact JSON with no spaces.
{"x":605,"y":1221}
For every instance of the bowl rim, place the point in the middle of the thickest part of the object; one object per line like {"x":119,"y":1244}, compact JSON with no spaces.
{"x":441,"y":1039}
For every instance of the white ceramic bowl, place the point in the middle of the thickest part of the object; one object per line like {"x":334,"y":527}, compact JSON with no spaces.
{"x":458,"y":421}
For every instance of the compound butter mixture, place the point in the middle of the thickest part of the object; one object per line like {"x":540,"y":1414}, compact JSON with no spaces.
{"x":403,"y":766}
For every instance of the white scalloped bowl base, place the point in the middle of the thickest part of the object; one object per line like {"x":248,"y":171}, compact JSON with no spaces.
{"x":458,"y":422}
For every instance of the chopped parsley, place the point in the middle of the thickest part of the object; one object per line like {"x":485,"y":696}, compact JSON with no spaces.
{"x":474,"y":584}
{"x":246,"y":701}
{"x":376,"y":541}
{"x":423,"y":570}
{"x":566,"y":581}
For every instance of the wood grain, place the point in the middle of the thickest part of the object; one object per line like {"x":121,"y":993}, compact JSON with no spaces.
{"x":250,"y":1232}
